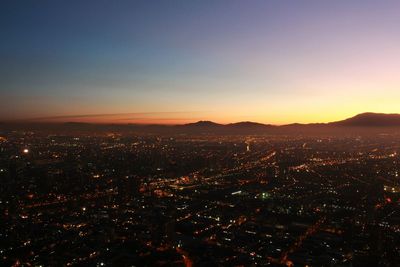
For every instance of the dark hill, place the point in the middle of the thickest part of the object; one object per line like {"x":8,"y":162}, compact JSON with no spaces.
{"x":202,"y":124}
{"x":370,"y":119}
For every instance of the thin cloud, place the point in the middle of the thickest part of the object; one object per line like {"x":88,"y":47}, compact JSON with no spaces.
{"x":107,"y":115}
{"x":158,"y":119}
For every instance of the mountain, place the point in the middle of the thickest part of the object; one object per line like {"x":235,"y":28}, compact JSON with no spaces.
{"x":370,"y":119}
{"x":245,"y":127}
{"x":248,"y":124}
{"x":202,"y":124}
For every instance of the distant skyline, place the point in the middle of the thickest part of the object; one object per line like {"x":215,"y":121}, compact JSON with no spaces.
{"x":175,"y":62}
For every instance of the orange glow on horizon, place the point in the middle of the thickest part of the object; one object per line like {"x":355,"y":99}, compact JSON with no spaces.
{"x":274,"y":119}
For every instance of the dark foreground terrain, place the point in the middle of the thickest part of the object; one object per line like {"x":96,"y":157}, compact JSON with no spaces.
{"x":129,"y":199}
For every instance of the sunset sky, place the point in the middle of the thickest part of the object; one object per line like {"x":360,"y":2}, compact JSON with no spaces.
{"x":182,"y":61}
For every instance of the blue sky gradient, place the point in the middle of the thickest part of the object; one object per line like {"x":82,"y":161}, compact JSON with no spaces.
{"x":267,"y":61}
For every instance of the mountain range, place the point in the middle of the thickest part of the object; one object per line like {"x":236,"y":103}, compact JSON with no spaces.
{"x":368,"y":119}
{"x":361,"y":122}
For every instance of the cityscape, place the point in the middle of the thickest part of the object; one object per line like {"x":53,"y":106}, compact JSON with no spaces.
{"x":200,"y":133}
{"x":119,"y":198}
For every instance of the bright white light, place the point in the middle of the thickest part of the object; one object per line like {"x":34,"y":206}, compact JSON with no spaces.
{"x":26,"y":151}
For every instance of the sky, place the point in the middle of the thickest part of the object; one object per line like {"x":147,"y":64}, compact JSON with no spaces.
{"x":181,"y":61}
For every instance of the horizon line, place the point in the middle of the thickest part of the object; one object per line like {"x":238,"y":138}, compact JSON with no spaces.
{"x":50,"y":120}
